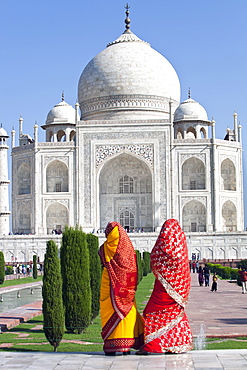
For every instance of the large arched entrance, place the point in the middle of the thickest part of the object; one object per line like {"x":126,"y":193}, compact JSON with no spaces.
{"x":125,"y":193}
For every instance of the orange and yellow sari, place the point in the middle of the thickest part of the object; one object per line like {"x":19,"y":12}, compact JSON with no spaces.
{"x":122,"y":326}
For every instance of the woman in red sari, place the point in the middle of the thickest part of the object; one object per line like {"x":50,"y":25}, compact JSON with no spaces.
{"x":166,"y":327}
{"x":122,"y":325}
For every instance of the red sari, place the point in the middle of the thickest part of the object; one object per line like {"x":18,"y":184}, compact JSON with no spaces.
{"x":166,"y":325}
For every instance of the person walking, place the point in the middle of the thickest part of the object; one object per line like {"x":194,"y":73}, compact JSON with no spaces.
{"x":200,"y":276}
{"x":243,"y":278}
{"x":206,"y":273}
{"x":214,"y":284}
{"x":122,"y":325}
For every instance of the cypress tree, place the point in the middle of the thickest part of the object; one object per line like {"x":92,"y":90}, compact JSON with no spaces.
{"x":35,"y":272}
{"x":139,"y":265}
{"x":146,"y":259}
{"x":76,"y":280}
{"x":95,"y":272}
{"x":2,"y":267}
{"x":53,"y":309}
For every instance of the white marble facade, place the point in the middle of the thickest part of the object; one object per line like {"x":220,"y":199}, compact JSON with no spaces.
{"x":135,"y":154}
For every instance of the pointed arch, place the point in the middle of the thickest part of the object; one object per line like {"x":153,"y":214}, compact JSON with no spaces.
{"x":191,"y":133}
{"x":193,"y":174}
{"x":57,"y":178}
{"x":194,"y":217}
{"x":24,"y":179}
{"x":229,"y":216}
{"x":125,"y":183}
{"x":228,"y":175}
{"x":57,"y":217}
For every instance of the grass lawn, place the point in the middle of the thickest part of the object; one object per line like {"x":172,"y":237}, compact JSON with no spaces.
{"x":29,"y":336}
{"x":26,"y":280}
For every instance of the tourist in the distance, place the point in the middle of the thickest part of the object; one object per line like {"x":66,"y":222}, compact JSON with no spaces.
{"x":200,"y":276}
{"x":166,"y":327}
{"x":214,"y":284}
{"x":122,"y":325}
{"x":206,"y":273}
{"x":243,"y":278}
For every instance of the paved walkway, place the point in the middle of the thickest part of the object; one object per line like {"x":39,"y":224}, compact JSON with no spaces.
{"x":222,"y":313}
{"x":194,"y":360}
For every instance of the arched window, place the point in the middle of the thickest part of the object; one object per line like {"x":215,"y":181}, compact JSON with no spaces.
{"x":193,"y":174}
{"x":194,"y":216}
{"x":127,"y":220}
{"x":229,"y":214}
{"x":57,"y":217}
{"x":126,"y":185}
{"x":50,"y":136}
{"x":61,"y":135}
{"x":191,"y":133}
{"x":57,"y":177}
{"x":203,"y":133}
{"x":228,"y":175}
{"x":72,"y":135}
{"x":24,"y":219}
{"x":179,"y":134}
{"x":24,"y":179}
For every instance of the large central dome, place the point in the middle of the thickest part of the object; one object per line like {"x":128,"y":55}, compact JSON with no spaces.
{"x":128,"y":79}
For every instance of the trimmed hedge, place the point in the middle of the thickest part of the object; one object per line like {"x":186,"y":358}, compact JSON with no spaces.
{"x":139,"y":266}
{"x":224,"y":272}
{"x":146,"y":264}
{"x":35,"y":271}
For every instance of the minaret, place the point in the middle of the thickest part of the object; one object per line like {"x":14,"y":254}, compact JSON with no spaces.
{"x":4,"y":184}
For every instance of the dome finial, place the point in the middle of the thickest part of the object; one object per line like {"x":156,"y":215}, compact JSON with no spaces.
{"x":62,"y":95}
{"x":127,"y":20}
{"x":189,"y":93}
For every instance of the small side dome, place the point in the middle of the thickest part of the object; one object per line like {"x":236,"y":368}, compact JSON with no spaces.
{"x":3,"y":133}
{"x":61,"y":113}
{"x":190,"y":110}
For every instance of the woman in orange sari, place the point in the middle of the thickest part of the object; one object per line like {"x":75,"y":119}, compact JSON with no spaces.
{"x":122,"y":325}
{"x":166,"y":327}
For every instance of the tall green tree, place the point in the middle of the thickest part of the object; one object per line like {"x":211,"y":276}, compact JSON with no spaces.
{"x":35,"y":271}
{"x":95,"y":272}
{"x":2,"y":267}
{"x":76,"y":280}
{"x":139,"y":265}
{"x":146,"y":265}
{"x":53,"y":309}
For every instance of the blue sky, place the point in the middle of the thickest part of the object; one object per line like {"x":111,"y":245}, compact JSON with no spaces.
{"x":46,"y":44}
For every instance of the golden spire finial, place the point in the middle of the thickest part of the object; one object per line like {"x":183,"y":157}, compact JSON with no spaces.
{"x":189,"y":93}
{"x":62,"y":95}
{"x":127,"y":20}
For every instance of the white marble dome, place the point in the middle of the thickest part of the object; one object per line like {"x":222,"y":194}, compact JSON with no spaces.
{"x":3,"y":133}
{"x":190,"y":110}
{"x":127,"y":76}
{"x":61,"y":113}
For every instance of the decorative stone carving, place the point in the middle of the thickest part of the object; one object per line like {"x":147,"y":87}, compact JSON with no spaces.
{"x":225,"y":156}
{"x":122,"y":209}
{"x":145,"y":151}
{"x":48,"y":159}
{"x":232,"y":199}
{"x":185,"y":200}
{"x":64,"y":202}
{"x":183,"y":157}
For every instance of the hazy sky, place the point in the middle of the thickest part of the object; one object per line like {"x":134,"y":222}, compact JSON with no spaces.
{"x":46,"y":44}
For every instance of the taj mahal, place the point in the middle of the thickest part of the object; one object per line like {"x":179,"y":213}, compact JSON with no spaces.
{"x":129,"y":151}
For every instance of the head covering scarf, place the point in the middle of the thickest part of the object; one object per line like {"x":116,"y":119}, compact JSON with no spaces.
{"x":121,"y":266}
{"x":166,"y":324}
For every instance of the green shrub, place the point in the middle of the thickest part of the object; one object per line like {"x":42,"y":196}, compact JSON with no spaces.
{"x":146,"y":267}
{"x":139,"y":266}
{"x":76,"y":280}
{"x":53,"y":309}
{"x":95,"y":272}
{"x":9,"y":270}
{"x":2,"y":268}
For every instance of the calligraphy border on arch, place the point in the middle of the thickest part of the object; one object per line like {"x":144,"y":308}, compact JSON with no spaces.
{"x":145,"y":151}
{"x":185,"y":200}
